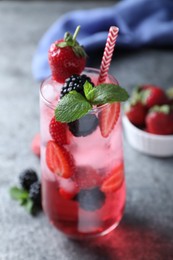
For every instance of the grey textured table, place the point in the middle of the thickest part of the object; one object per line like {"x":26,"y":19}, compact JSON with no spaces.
{"x":146,"y":231}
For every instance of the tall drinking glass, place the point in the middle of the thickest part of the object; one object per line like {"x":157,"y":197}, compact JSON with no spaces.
{"x":91,"y":201}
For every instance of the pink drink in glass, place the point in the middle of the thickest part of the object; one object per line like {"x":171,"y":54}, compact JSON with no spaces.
{"x":97,"y":185}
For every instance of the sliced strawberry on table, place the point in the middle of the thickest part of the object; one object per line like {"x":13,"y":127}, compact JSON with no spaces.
{"x":114,"y":180}
{"x":66,"y":57}
{"x":86,"y":177}
{"x":108,"y":118}
{"x":59,"y":131}
{"x":59,"y":160}
{"x":35,"y":145}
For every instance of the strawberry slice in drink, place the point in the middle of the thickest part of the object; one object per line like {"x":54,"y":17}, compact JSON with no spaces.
{"x":108,"y":118}
{"x":59,"y":160}
{"x":115,"y":179}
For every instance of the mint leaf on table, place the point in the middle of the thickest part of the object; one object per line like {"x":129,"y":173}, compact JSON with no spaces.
{"x":22,"y":196}
{"x":29,"y":205}
{"x":18,"y":194}
{"x":109,"y":93}
{"x":71,"y":107}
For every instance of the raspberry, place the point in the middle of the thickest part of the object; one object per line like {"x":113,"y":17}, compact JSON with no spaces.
{"x":75,"y":82}
{"x":35,"y":193}
{"x":59,"y":132}
{"x":27,"y":178}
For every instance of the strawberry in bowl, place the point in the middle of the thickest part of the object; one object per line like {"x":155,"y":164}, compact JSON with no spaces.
{"x":148,"y":120}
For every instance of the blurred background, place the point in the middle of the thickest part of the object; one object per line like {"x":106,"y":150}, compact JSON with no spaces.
{"x":140,"y":57}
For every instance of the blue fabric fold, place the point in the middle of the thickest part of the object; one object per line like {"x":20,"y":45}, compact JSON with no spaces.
{"x":141,"y":22}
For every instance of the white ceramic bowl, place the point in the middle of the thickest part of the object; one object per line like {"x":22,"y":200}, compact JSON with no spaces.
{"x":151,"y":144}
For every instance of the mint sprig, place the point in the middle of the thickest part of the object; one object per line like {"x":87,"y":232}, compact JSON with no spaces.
{"x":71,"y":107}
{"x":107,"y":93}
{"x":74,"y":105}
{"x":22,"y":196}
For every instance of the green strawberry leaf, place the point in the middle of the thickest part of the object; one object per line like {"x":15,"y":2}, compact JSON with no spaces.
{"x":18,"y":194}
{"x":68,"y":37}
{"x":161,"y":109}
{"x":108,"y":93}
{"x":71,"y":107}
{"x":169,"y":92}
{"x":70,"y":40}
{"x":62,"y":44}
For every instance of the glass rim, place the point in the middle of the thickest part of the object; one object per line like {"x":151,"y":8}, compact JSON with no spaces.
{"x":87,"y":69}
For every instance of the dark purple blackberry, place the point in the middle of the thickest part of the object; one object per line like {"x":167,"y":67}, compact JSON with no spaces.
{"x":83,"y":126}
{"x":35,"y":193}
{"x":75,"y":82}
{"x":27,"y":178}
{"x":90,"y":199}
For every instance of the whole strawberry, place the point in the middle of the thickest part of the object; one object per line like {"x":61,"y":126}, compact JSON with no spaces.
{"x":152,"y":95}
{"x":66,"y":57}
{"x":136,"y":113}
{"x":160,"y":120}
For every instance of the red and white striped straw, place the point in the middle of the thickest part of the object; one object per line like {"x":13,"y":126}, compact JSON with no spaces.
{"x":108,"y":52}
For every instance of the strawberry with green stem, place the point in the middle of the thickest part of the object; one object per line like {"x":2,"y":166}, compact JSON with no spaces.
{"x":136,"y":113}
{"x":159,"y":120}
{"x":151,"y":95}
{"x":66,"y":57}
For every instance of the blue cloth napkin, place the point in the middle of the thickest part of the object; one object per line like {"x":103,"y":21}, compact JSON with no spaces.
{"x":141,"y":23}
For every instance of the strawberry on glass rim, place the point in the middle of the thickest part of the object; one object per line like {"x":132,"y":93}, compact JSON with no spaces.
{"x":66,"y":57}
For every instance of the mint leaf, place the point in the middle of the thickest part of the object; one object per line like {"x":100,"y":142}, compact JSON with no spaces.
{"x":18,"y":194}
{"x":109,"y":93}
{"x":71,"y":107}
{"x":29,"y":205}
{"x":88,"y":90}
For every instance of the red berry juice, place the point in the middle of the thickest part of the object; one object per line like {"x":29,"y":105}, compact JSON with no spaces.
{"x":92,"y":200}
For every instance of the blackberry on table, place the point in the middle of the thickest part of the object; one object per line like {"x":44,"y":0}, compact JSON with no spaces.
{"x":75,"y":82}
{"x":35,"y":193}
{"x":27,"y":178}
{"x":90,"y":199}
